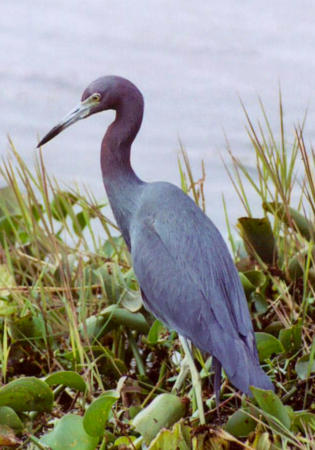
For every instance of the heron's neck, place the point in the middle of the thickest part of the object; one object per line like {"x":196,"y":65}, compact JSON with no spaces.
{"x":122,"y":185}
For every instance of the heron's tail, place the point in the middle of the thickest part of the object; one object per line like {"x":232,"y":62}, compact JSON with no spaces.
{"x":249,"y":373}
{"x":240,"y":361}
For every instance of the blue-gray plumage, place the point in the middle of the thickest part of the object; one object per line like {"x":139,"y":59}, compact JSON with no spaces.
{"x":186,"y":274}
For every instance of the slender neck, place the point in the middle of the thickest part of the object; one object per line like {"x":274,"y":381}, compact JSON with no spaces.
{"x":121,"y":183}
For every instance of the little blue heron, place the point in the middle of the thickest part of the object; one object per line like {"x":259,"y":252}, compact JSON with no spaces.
{"x":186,"y":274}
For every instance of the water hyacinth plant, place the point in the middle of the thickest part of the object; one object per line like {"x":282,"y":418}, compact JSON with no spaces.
{"x":84,"y":366}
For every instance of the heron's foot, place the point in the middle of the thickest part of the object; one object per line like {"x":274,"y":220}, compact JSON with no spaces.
{"x":195,"y":378}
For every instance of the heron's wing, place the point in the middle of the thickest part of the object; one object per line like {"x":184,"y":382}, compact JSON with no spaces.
{"x":174,"y":231}
{"x":188,"y":277}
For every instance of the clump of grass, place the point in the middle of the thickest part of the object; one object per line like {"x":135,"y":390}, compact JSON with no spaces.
{"x":72,"y":325}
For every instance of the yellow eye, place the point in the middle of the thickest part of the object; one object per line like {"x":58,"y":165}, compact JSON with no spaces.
{"x":96,"y":97}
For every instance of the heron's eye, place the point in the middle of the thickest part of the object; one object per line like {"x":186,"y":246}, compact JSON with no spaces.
{"x":96,"y":97}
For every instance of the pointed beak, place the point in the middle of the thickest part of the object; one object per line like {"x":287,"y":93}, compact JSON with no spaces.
{"x":79,"y":112}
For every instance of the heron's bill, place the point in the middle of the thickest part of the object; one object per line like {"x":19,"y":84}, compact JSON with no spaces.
{"x":81,"y":111}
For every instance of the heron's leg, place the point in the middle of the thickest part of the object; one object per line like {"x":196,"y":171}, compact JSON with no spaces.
{"x":184,"y":369}
{"x":217,"y":381}
{"x":195,"y":378}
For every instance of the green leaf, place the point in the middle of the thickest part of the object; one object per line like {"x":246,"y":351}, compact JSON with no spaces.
{"x":9,"y":417}
{"x":267,"y":345}
{"x":27,"y":394}
{"x":259,"y":301}
{"x":61,"y":205}
{"x":240,"y":424}
{"x":256,"y":277}
{"x":163,"y":411}
{"x":30,"y":327}
{"x":271,"y":404}
{"x":80,"y":221}
{"x":132,"y":300}
{"x":292,"y":218}
{"x":274,"y":328}
{"x":121,"y":316}
{"x":303,"y":419}
{"x":96,"y":327}
{"x":125,"y":441}
{"x":69,"y":433}
{"x":98,"y":412}
{"x":247,"y":285}
{"x":258,"y":238}
{"x":176,"y":438}
{"x":304,"y":367}
{"x":155,"y":332}
{"x":112,"y":246}
{"x":67,"y":378}
{"x":291,"y":338}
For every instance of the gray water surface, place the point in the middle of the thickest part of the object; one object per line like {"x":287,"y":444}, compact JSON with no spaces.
{"x":192,"y":61}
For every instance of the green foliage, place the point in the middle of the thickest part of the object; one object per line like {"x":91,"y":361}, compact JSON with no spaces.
{"x":77,"y":344}
{"x":67,"y":378}
{"x":241,"y":423}
{"x":267,"y":345}
{"x":97,"y":414}
{"x":27,"y":394}
{"x":270,"y":403}
{"x":10,"y":418}
{"x":69,"y":433}
{"x":164,"y":411}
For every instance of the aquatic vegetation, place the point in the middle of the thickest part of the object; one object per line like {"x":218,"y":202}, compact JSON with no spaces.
{"x":84,"y":366}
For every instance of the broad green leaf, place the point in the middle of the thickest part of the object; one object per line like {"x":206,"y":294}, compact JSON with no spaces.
{"x":125,"y":441}
{"x":240,"y":424}
{"x":96,"y":327}
{"x":256,"y":277}
{"x":9,"y":417}
{"x":67,"y":378}
{"x":98,"y":412}
{"x":177,"y":438}
{"x":267,"y":344}
{"x":271,"y":404}
{"x":304,"y":367}
{"x":27,"y":394}
{"x":121,"y":316}
{"x":69,"y":433}
{"x":274,"y":328}
{"x":292,"y":218}
{"x":132,"y":300}
{"x":247,"y":285}
{"x":258,"y":238}
{"x":162,"y":412}
{"x":291,"y":338}
{"x":155,"y":331}
{"x":259,"y":301}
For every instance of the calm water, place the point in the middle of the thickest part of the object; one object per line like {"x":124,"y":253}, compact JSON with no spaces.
{"x":192,"y":61}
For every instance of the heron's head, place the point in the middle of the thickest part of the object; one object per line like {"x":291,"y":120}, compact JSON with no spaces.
{"x":102,"y":94}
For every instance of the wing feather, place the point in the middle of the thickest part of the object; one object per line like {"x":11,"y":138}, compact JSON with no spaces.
{"x":190,"y":282}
